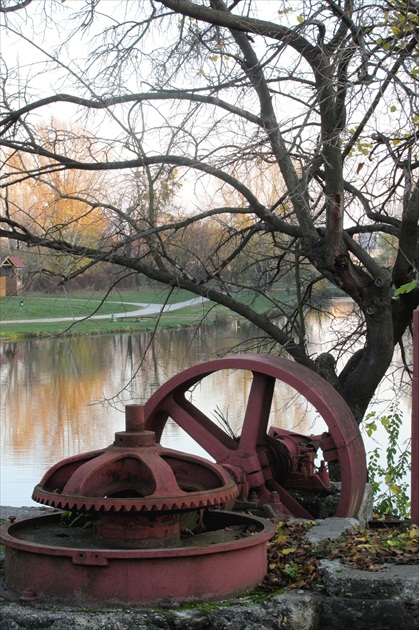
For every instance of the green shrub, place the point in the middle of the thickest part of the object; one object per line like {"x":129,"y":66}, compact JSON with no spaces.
{"x":388,"y":480}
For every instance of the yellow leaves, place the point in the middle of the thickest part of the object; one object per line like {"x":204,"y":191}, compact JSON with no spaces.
{"x":414,"y":532}
{"x":300,"y":19}
{"x":309,"y":524}
{"x":364,"y":147}
{"x":393,"y":109}
{"x":283,"y":539}
{"x":397,"y":25}
{"x":64,"y":204}
{"x":395,"y":489}
{"x":366,"y":546}
{"x":290,"y":562}
{"x":214,"y":58}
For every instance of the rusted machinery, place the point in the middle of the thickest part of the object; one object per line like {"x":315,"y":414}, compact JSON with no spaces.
{"x":265,"y":461}
{"x":151,"y":524}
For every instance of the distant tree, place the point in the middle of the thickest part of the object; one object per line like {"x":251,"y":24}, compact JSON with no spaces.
{"x":60,"y":204}
{"x":324,"y":92}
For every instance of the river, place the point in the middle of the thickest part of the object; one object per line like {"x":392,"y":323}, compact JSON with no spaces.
{"x":64,"y":396}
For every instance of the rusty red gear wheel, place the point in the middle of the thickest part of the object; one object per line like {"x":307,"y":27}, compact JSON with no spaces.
{"x":135,"y":475}
{"x":248,"y":457}
{"x":85,"y":482}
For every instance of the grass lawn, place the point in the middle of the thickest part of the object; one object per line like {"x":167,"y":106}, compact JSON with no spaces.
{"x":38,"y":306}
{"x":41,"y":306}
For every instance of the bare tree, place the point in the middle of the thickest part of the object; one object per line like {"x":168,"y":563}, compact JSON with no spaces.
{"x":326,"y":92}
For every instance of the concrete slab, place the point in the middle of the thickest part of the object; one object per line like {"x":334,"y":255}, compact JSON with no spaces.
{"x":330,"y":528}
{"x":390,"y":581}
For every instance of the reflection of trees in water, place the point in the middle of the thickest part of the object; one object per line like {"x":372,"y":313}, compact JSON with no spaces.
{"x":48,"y":388}
{"x":328,"y":331}
{"x":150,"y":360}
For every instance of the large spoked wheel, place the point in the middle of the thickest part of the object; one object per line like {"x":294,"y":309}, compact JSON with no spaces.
{"x":248,"y":457}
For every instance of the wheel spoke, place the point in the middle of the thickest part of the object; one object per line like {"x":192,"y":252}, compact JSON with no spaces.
{"x":249,"y":455}
{"x":203,"y":430}
{"x":291,"y":505}
{"x":257,"y":413}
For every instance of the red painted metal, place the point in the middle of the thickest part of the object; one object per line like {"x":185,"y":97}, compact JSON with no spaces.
{"x":152,"y":536}
{"x":149,"y":577}
{"x":301,"y":451}
{"x":415,"y":422}
{"x":250,"y":456}
{"x":137,"y":488}
{"x":137,"y":492}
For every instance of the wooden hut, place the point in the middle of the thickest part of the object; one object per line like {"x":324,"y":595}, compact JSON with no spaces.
{"x":11,"y":270}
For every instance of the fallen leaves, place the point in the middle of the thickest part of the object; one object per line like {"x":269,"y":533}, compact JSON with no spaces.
{"x":398,"y":546}
{"x":293,"y":562}
{"x":290,"y":562}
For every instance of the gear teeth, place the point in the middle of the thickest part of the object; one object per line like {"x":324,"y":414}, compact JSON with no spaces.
{"x":172,"y":497}
{"x":192,"y":502}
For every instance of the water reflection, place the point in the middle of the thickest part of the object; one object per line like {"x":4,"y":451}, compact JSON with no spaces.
{"x":64,"y":396}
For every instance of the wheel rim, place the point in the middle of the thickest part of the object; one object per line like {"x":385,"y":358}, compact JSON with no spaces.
{"x":248,"y":453}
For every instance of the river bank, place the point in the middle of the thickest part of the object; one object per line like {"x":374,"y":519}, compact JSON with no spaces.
{"x":38,"y":316}
{"x":64,"y":317}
